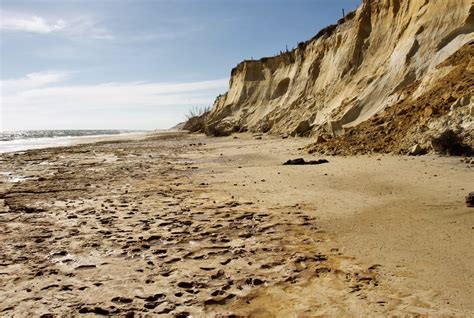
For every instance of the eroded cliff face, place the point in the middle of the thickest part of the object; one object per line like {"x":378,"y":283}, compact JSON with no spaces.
{"x":351,"y":71}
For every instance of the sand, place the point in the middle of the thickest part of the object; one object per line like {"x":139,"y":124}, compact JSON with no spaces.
{"x":180,"y":225}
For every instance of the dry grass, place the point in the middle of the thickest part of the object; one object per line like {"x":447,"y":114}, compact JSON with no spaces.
{"x":196,"y":119}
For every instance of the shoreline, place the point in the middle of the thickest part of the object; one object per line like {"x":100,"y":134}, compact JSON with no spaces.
{"x":177,"y":223}
{"x":20,"y":145}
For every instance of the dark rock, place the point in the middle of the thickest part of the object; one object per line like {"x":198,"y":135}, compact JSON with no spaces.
{"x":153,"y":238}
{"x":50,"y":286}
{"x":185,"y":284}
{"x":298,"y":161}
{"x":122,"y":300}
{"x":61,"y":253}
{"x":254,"y":281}
{"x":320,"y":258}
{"x":150,"y":305}
{"x":257,"y":281}
{"x":320,"y":139}
{"x":452,"y":144}
{"x":101,"y":311}
{"x":167,"y":310}
{"x":301,"y":161}
{"x":85,"y":266}
{"x":155,"y":297}
{"x":84,"y":310}
{"x":218,"y":300}
{"x":227,"y":261}
{"x":29,"y":209}
{"x":470,"y":200}
{"x":95,"y":310}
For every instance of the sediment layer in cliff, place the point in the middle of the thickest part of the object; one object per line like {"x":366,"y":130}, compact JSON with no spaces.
{"x":385,"y":56}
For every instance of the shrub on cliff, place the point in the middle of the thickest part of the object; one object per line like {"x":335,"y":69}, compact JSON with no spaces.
{"x":196,"y":119}
{"x":450,"y":143}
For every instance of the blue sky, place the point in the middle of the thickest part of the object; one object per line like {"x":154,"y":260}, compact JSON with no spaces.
{"x":75,"y":64}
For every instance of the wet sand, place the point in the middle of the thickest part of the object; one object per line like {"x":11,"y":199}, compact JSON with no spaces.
{"x":180,"y":225}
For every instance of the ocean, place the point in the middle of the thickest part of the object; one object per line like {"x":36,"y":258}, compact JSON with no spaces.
{"x":11,"y":141}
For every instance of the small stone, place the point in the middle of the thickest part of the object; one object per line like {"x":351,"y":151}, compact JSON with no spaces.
{"x":428,"y":111}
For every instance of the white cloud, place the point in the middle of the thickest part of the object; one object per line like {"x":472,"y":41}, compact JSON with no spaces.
{"x":38,"y":95}
{"x":33,"y":24}
{"x":107,"y":95}
{"x":79,"y":26}
{"x":87,"y":27}
{"x":31,"y":81}
{"x":171,"y":34}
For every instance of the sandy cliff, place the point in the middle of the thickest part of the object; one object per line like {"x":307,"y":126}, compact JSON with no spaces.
{"x":385,"y":54}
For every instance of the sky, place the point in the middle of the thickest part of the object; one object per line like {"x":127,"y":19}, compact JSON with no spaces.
{"x":137,"y":64}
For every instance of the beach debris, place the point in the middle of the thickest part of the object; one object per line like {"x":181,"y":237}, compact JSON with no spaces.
{"x":301,"y":161}
{"x":470,"y":200}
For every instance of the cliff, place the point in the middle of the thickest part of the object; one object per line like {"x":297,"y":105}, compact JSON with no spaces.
{"x":385,"y":56}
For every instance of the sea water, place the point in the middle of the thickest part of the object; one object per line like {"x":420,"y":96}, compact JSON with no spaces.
{"x":11,"y":141}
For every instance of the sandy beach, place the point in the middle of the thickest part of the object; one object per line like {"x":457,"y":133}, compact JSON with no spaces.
{"x":186,"y":225}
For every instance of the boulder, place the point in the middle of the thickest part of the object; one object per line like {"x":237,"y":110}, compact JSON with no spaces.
{"x":460,"y":102}
{"x":470,"y":200}
{"x":417,"y":150}
{"x":334,"y":128}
